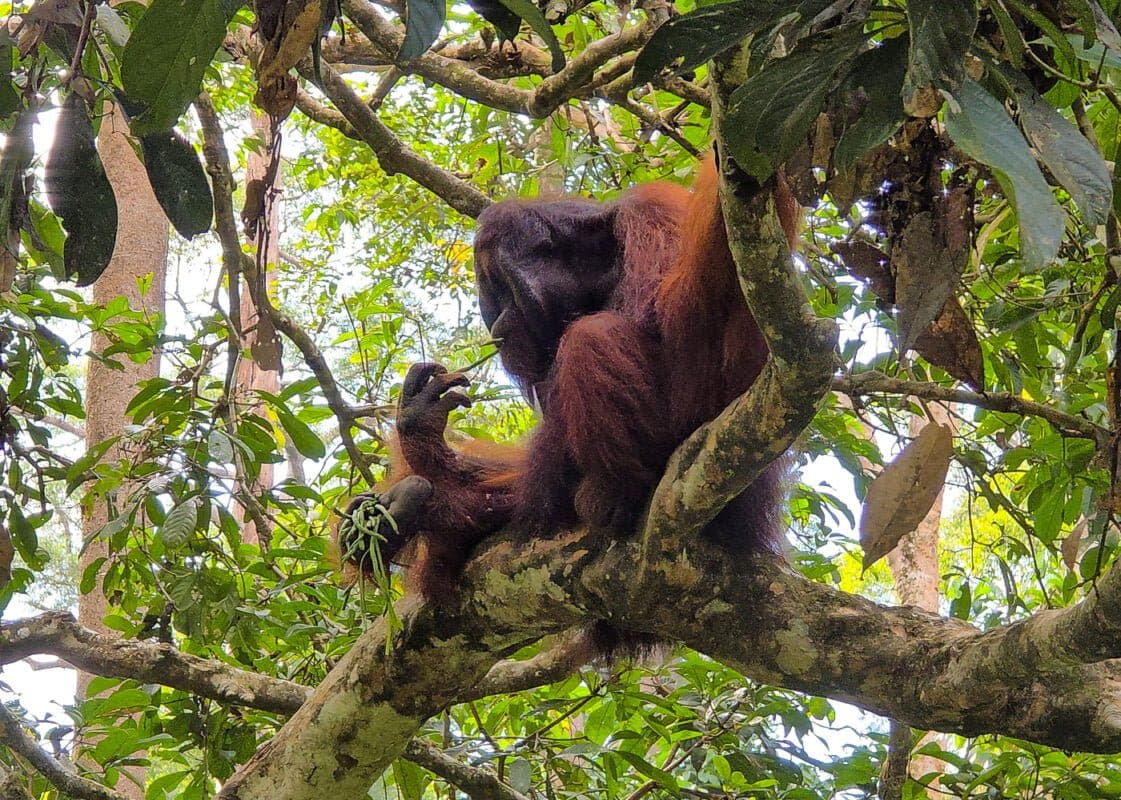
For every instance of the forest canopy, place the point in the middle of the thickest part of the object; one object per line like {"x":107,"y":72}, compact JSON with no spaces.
{"x":230,"y":228}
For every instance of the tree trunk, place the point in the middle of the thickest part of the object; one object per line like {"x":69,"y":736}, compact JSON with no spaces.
{"x":141,"y":249}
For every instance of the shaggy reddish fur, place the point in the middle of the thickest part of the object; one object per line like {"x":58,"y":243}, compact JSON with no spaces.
{"x":626,"y":321}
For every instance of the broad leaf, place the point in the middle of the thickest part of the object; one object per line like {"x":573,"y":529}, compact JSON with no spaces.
{"x":769,"y":116}
{"x":877,"y":76}
{"x":179,"y":181}
{"x":940,"y":37}
{"x":302,"y":436}
{"x":424,"y":19}
{"x":15,"y":158}
{"x":166,"y":57}
{"x":1074,"y":162}
{"x":979,"y":125}
{"x":904,"y":492}
{"x":690,"y":40}
{"x":79,"y":193}
{"x":180,"y":524}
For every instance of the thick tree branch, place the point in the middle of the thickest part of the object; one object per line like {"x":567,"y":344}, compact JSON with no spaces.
{"x":722,"y":458}
{"x":59,"y":774}
{"x":866,"y":383}
{"x":59,"y":634}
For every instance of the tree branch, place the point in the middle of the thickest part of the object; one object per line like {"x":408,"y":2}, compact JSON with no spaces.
{"x":392,"y":154}
{"x":866,"y":383}
{"x":59,"y":634}
{"x":455,"y":75}
{"x":58,"y":773}
{"x":478,"y":784}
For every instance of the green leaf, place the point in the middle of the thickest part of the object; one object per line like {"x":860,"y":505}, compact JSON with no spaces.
{"x":220,"y":447}
{"x":424,"y":19}
{"x":644,"y":767}
{"x":111,"y":23}
{"x":179,"y":181}
{"x":878,"y":75}
{"x":690,"y":40}
{"x":80,"y":194}
{"x":1044,"y":23}
{"x":979,"y":125}
{"x":941,"y":34}
{"x":769,"y":116}
{"x":23,"y":535}
{"x":15,"y":158}
{"x":1074,"y":162}
{"x":302,"y":436}
{"x":180,"y":524}
{"x":166,"y":57}
{"x":532,"y":15}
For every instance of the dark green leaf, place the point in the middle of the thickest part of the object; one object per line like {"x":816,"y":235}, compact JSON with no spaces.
{"x":179,"y":181}
{"x":878,"y":75}
{"x":769,"y":116}
{"x":302,"y":436}
{"x":220,"y":447}
{"x":15,"y":158}
{"x":979,"y":125}
{"x":180,"y":524}
{"x":23,"y":534}
{"x":1073,"y":161}
{"x":1014,"y":45}
{"x":1043,"y":22}
{"x":529,"y":12}
{"x":940,"y":37}
{"x":690,"y":40}
{"x":166,"y":57}
{"x":79,"y":193}
{"x":424,"y":19}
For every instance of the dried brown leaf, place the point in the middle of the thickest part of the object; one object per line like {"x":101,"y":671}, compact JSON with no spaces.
{"x":870,"y":264}
{"x":950,"y":342}
{"x":1071,"y":544}
{"x":900,"y":496}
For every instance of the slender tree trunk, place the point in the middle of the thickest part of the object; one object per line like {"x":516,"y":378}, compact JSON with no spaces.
{"x":914,"y":566}
{"x":251,"y":373}
{"x":141,"y":249}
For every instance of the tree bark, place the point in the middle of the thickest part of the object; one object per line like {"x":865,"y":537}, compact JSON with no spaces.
{"x":141,"y":249}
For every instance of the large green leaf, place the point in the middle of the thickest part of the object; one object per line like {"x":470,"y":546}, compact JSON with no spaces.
{"x":180,"y":524}
{"x":878,"y":78}
{"x":424,"y":19}
{"x":979,"y":125}
{"x":690,"y":40}
{"x":80,"y":195}
{"x":166,"y":57}
{"x":769,"y":116}
{"x":179,"y":181}
{"x":940,"y":37}
{"x":1074,"y":162}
